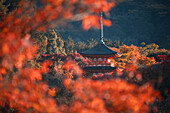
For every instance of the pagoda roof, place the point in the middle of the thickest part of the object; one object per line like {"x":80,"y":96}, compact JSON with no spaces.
{"x":99,"y":49}
{"x":100,"y":68}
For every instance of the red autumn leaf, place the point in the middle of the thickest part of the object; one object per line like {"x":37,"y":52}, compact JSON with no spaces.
{"x":67,"y":83}
{"x":69,"y":65}
{"x":90,"y":21}
{"x":19,"y":61}
{"x":107,"y":22}
{"x":44,"y":66}
{"x":35,"y":75}
{"x":67,"y":14}
{"x":5,"y":49}
{"x":42,"y":28}
{"x":3,"y":71}
{"x":51,"y":92}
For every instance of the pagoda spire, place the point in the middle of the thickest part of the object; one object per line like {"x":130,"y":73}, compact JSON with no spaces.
{"x":101,"y":23}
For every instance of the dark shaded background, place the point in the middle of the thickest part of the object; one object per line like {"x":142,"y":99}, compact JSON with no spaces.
{"x":133,"y":22}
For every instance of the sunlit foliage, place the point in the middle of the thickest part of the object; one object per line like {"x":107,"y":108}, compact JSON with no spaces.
{"x":131,"y":54}
{"x":152,"y":50}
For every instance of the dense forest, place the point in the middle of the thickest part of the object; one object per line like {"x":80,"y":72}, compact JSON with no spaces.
{"x":41,"y":69}
{"x":51,"y":42}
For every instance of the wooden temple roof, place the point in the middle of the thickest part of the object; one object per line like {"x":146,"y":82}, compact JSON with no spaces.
{"x":99,"y":49}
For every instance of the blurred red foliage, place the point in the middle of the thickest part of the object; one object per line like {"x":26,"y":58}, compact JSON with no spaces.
{"x":90,"y":21}
{"x":109,"y":96}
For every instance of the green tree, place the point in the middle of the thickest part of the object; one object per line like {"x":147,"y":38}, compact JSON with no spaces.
{"x":108,"y":42}
{"x":55,"y":43}
{"x":116,"y":43}
{"x":91,"y":43}
{"x":80,"y":46}
{"x":149,"y":49}
{"x":60,"y":44}
{"x":41,"y":40}
{"x":69,"y":45}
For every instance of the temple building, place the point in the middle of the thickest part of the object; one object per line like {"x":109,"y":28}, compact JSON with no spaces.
{"x":100,"y":56}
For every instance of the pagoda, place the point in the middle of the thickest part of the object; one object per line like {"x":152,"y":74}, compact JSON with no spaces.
{"x":100,"y":56}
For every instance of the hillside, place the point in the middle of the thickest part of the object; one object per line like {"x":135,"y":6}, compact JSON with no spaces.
{"x":133,"y":22}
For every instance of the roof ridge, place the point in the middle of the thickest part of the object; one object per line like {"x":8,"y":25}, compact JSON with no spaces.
{"x":99,"y":49}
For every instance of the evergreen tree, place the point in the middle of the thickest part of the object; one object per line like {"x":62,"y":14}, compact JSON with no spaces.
{"x":69,"y":45}
{"x":91,"y":43}
{"x":116,"y":43}
{"x":55,"y":43}
{"x":60,"y":45}
{"x":41,"y":40}
{"x":108,"y":42}
{"x":80,"y":46}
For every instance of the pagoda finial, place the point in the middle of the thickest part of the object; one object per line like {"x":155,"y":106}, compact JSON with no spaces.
{"x":101,"y":37}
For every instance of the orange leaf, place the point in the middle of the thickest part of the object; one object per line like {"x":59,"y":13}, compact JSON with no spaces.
{"x":3,"y":70}
{"x":51,"y":92}
{"x":69,"y":65}
{"x":5,"y":49}
{"x":35,"y":74}
{"x":90,"y":21}
{"x":67,"y":14}
{"x":107,"y":22}
{"x":44,"y":66}
{"x":67,"y":83}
